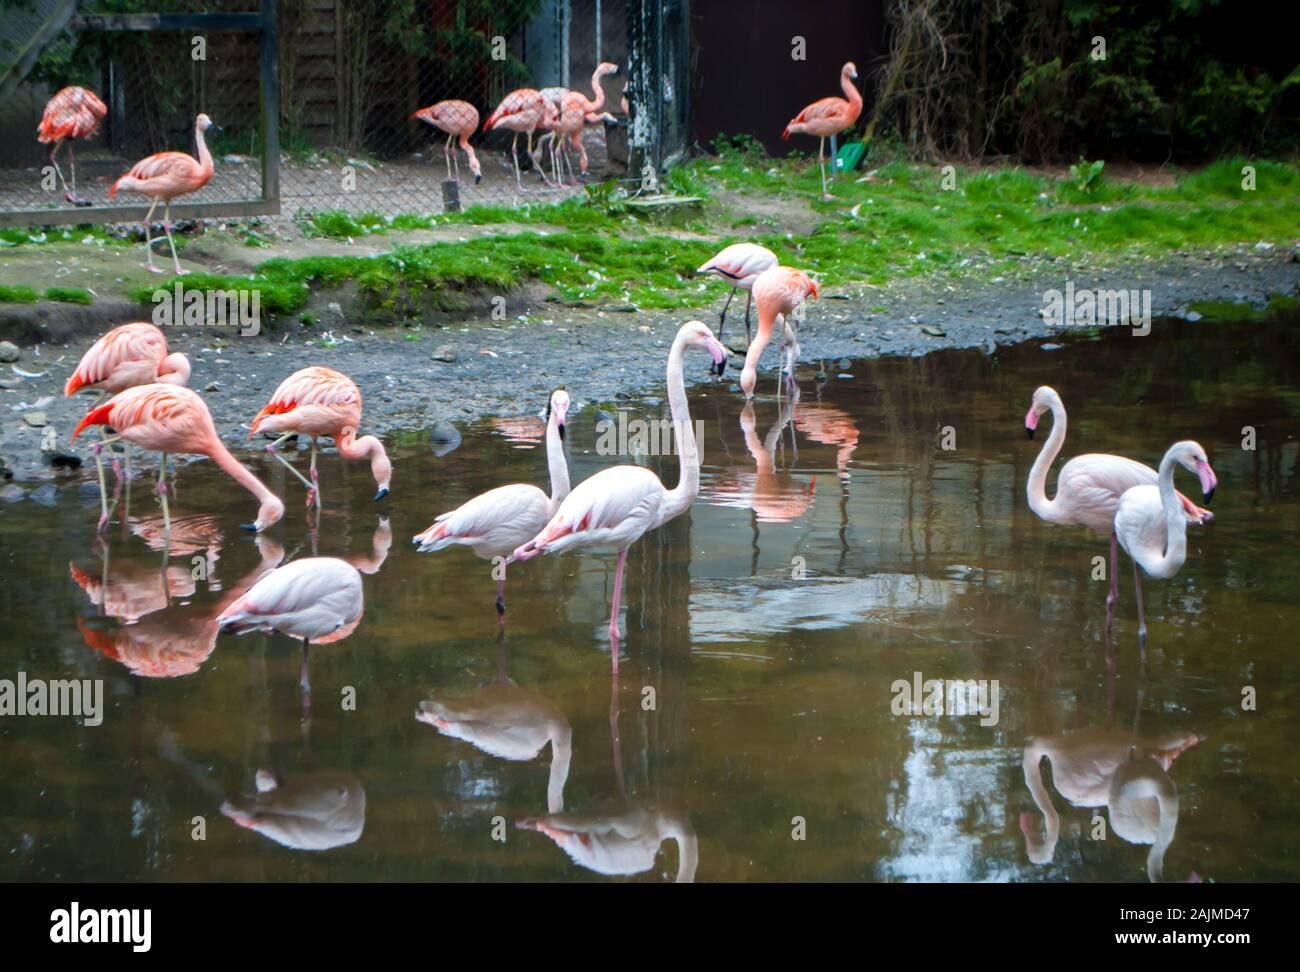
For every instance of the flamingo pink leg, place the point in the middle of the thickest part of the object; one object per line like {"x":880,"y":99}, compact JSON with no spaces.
{"x":162,"y":496}
{"x":614,"y":607}
{"x":501,"y":593}
{"x":1113,"y":597}
{"x":1142,"y":620}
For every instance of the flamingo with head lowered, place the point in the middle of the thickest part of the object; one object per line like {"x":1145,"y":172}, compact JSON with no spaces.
{"x":1151,"y":521}
{"x":522,"y":110}
{"x":1089,"y":487}
{"x":129,"y":355}
{"x":321,"y":401}
{"x":739,"y":265}
{"x":615,"y":507}
{"x":777,"y":292}
{"x":494,"y":523}
{"x":72,"y":113}
{"x":166,"y":418}
{"x":164,"y":176}
{"x":459,"y":119}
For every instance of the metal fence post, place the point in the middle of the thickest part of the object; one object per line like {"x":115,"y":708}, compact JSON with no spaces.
{"x":270,"y":38}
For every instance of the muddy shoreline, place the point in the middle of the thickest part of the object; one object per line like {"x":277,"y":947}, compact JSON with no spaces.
{"x":509,"y":367}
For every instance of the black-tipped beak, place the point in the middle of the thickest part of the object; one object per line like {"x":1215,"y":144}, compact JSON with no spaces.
{"x":478,"y":179}
{"x":560,"y":429}
{"x":381,"y":494}
{"x":1029,"y":433}
{"x":250,"y":527}
{"x":1209,"y":495}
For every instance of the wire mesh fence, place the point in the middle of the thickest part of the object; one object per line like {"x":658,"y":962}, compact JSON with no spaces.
{"x":382,"y":107}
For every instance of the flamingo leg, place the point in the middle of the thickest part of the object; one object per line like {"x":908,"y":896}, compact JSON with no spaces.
{"x":314,"y":494}
{"x":501,"y":593}
{"x":304,"y":683}
{"x":148,"y":238}
{"x":446,"y":154}
{"x":455,"y":157}
{"x":74,"y":198}
{"x":614,"y":606}
{"x":514,"y":152}
{"x":1142,"y":620}
{"x":1113,"y":597}
{"x":162,"y":497}
{"x":167,"y":228}
{"x":821,"y":162}
{"x":67,"y":193}
{"x":722,"y":318}
{"x":285,"y":462}
{"x":103,"y":487}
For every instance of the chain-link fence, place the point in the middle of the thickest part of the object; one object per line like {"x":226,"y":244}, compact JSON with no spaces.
{"x":376,"y":106}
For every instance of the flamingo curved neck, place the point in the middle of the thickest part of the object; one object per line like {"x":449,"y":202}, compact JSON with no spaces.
{"x":1041,"y":852}
{"x":1036,"y":488}
{"x":205,"y":157}
{"x":555,"y":461}
{"x":175,"y":370}
{"x":1175,"y":551}
{"x":1163,"y":791}
{"x":240,"y":473}
{"x":688,"y":456}
{"x":367,"y":447}
{"x":597,"y":102}
{"x":851,"y":91}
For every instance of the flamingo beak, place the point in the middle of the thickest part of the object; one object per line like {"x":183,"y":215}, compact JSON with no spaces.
{"x":1031,"y":423}
{"x":1208,"y":480}
{"x":719,"y":353}
{"x":250,"y":527}
{"x":383,"y":491}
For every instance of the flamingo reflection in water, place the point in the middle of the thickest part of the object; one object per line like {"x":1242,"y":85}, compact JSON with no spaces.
{"x":507,"y":721}
{"x":312,"y":811}
{"x":1106,"y":767}
{"x":773,"y":494}
{"x":162,"y":634}
{"x":620,"y":835}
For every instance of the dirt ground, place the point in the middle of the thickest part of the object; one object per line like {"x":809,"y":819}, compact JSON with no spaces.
{"x":509,"y":367}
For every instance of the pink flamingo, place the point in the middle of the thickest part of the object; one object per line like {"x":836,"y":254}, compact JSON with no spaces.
{"x":1088,"y":488}
{"x":459,"y":119}
{"x":777,"y":291}
{"x":1151,"y":521}
{"x":829,"y":116}
{"x":739,"y":265}
{"x":494,"y":523}
{"x":129,"y":355}
{"x":616,"y":506}
{"x":592,"y":109}
{"x":314,"y":600}
{"x":521,"y":110}
{"x":552,"y":120}
{"x":167,"y":418}
{"x":164,"y":176}
{"x":72,"y":113}
{"x":321,"y":401}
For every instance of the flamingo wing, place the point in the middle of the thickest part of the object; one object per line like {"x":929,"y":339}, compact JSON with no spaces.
{"x":740,"y":262}
{"x":612,"y":508}
{"x":518,"y":510}
{"x":109,"y":358}
{"x":317,"y":386}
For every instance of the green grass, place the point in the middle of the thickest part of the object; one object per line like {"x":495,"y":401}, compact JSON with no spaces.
{"x":18,"y":295}
{"x":902,"y":222}
{"x":70,"y":295}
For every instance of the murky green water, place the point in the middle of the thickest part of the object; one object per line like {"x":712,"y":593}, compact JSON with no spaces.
{"x":764,"y":632}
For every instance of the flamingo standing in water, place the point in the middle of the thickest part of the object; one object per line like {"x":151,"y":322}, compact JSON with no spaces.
{"x":616,"y":506}
{"x":494,"y":523}
{"x":167,"y":418}
{"x":739,"y":265}
{"x":522,"y":110}
{"x":829,"y":116}
{"x":777,"y":292}
{"x":164,"y":176}
{"x":314,"y":600}
{"x":1089,"y":487}
{"x":72,"y":113}
{"x":321,"y":401}
{"x":459,"y":119}
{"x":1151,"y":521}
{"x":129,"y":355}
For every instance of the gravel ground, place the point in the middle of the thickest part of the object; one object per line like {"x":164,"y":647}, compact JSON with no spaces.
{"x":509,"y":367}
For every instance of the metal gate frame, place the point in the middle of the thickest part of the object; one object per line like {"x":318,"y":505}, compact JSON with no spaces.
{"x":265,"y":24}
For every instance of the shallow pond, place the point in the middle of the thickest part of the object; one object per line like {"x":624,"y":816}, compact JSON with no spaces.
{"x":836,"y":548}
